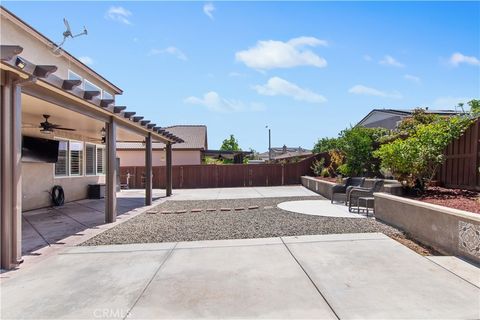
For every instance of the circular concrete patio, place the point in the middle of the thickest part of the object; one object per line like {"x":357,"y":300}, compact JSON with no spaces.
{"x":318,"y":208}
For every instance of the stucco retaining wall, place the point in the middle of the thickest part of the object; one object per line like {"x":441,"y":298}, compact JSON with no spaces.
{"x":450,"y":231}
{"x":324,"y":188}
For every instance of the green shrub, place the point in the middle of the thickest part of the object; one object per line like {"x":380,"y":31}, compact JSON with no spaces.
{"x":414,"y":160}
{"x":325,"y":173}
{"x":357,"y":145}
{"x":318,"y":166}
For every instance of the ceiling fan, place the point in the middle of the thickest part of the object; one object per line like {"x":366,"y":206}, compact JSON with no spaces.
{"x":48,"y":127}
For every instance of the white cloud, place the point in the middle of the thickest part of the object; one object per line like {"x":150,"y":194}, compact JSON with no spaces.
{"x":214,"y":102}
{"x":458,"y":58}
{"x":208,"y":9}
{"x":271,"y":54}
{"x":367,"y":91}
{"x":86,"y":60}
{"x":170,"y":50}
{"x":391,"y":61}
{"x":119,"y":14}
{"x":412,"y":78}
{"x":366,"y":57}
{"x":279,"y":87}
{"x":449,"y":102}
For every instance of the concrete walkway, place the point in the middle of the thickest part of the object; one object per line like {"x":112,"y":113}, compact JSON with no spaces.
{"x":349,"y":276}
{"x":322,"y":208}
{"x":242,"y":193}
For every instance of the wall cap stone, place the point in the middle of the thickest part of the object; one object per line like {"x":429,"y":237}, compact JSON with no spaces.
{"x":441,"y":209}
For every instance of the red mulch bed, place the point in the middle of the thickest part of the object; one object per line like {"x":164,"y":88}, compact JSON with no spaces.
{"x":453,"y":198}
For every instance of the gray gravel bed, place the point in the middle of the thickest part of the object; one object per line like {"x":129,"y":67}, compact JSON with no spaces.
{"x":215,"y":225}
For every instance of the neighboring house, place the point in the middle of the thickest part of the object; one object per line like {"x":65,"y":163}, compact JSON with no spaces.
{"x":72,"y":146}
{"x":285,"y":153}
{"x":390,"y":118}
{"x":189,"y":152}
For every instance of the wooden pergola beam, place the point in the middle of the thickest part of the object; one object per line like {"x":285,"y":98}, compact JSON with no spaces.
{"x":7,"y":52}
{"x":70,"y":84}
{"x":43,"y":71}
{"x":118,"y":109}
{"x":129,"y":114}
{"x":90,"y":94}
{"x":104,"y":103}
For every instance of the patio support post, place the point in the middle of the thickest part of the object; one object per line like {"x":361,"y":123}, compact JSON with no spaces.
{"x":169,"y":168}
{"x":10,"y":172}
{"x":17,"y":171}
{"x":111,"y":177}
{"x":148,"y":171}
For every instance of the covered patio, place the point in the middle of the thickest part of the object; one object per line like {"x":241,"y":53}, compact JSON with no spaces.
{"x":49,"y":226}
{"x":29,"y":92}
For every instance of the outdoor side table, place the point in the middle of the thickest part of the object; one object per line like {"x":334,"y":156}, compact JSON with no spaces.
{"x":368,"y":202}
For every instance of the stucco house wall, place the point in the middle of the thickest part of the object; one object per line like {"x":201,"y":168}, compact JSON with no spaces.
{"x":39,"y":179}
{"x":136,"y":158}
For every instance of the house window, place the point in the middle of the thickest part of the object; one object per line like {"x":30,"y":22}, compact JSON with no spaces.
{"x":107,"y":95}
{"x":88,"y":86}
{"x":90,"y":159}
{"x":73,"y":76}
{"x":100,"y":160}
{"x":76,"y":158}
{"x":61,"y":167}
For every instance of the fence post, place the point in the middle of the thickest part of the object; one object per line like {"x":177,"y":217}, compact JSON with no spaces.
{"x":476,"y":154}
{"x":283,"y":174}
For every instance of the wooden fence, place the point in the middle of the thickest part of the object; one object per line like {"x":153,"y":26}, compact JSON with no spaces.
{"x":220,"y":176}
{"x":462,"y":161}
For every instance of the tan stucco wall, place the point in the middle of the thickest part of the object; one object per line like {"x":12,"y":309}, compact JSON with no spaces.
{"x":39,"y":52}
{"x":38,"y":180}
{"x":136,"y":158}
{"x":450,"y":231}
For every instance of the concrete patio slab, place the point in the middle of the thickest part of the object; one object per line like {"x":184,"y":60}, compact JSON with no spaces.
{"x":382,"y":279}
{"x":80,"y":286}
{"x":367,"y":276}
{"x":241,"y":193}
{"x":252,"y":281}
{"x":319,"y":208}
{"x":48,"y":226}
{"x":459,"y":267}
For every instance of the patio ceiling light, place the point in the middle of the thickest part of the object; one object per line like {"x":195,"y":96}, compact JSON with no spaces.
{"x":19,"y":62}
{"x":46,"y":131}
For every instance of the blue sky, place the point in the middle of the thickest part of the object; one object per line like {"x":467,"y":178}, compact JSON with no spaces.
{"x":307,"y":69}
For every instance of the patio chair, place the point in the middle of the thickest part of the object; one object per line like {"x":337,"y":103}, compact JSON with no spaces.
{"x":349,"y":183}
{"x":356,"y":192}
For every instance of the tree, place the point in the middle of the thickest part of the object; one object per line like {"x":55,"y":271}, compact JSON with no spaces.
{"x":325,"y":145}
{"x":357,"y":145}
{"x":474,"y":107}
{"x":230,"y":144}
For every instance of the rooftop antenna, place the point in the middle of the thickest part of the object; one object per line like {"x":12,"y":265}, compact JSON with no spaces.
{"x":68,"y":33}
